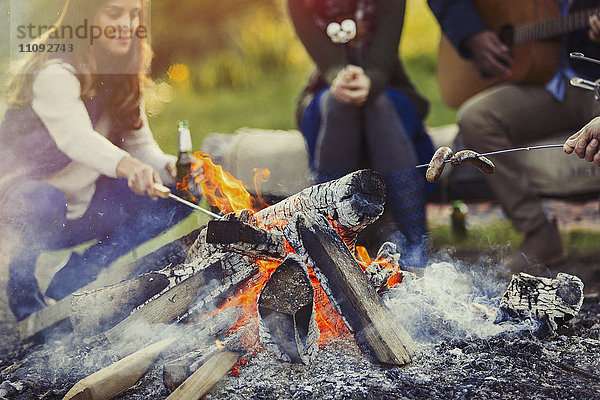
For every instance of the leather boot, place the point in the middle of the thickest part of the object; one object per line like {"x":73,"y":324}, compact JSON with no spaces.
{"x":541,"y":249}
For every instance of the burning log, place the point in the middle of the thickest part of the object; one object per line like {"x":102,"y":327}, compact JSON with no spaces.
{"x":286,"y":313}
{"x":209,"y":284}
{"x":246,"y":239}
{"x":118,"y":377}
{"x":346,"y":285}
{"x":552,"y":301}
{"x":97,"y":310}
{"x":351,"y":202}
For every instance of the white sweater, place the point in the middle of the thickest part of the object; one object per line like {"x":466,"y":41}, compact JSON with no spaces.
{"x":57,"y":102}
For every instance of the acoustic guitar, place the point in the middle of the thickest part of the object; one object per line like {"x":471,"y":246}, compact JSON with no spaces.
{"x":531,"y":29}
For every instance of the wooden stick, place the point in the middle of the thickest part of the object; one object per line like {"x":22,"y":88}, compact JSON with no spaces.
{"x":206,"y":376}
{"x":118,"y":377}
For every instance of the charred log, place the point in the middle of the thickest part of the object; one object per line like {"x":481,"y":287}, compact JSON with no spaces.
{"x":351,"y":203}
{"x":208,"y":285}
{"x":286,"y":313}
{"x":172,"y":253}
{"x":551,"y":301}
{"x":344,"y":282}
{"x":183,"y":362}
{"x":245,"y":239}
{"x":98,"y":310}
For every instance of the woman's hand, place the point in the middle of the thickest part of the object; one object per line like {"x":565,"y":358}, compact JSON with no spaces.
{"x":140,"y":177}
{"x":172,"y":170}
{"x":351,"y":86}
{"x":585,"y":143}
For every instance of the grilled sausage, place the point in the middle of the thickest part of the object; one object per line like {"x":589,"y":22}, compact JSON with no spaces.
{"x":437,"y":163}
{"x":472,"y":157}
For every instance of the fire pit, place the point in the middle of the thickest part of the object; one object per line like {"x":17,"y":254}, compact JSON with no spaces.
{"x":277,"y":304}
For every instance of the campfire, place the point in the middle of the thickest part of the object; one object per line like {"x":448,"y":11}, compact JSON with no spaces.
{"x":277,"y":281}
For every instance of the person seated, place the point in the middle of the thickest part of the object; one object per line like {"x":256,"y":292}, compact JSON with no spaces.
{"x":78,"y":161}
{"x":359,"y":105}
{"x":510,"y":114}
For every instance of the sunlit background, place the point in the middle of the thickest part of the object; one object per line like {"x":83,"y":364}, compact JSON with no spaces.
{"x":227,"y":64}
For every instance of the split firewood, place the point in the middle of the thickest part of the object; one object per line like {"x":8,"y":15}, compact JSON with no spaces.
{"x":210,"y":285}
{"x":212,"y":364}
{"x":551,"y":301}
{"x":206,"y":376}
{"x":53,"y":314}
{"x":118,"y":377}
{"x":98,"y":310}
{"x":202,"y":338}
{"x":351,"y":203}
{"x":347,"y":287}
{"x":286,"y":313}
{"x":246,"y":240}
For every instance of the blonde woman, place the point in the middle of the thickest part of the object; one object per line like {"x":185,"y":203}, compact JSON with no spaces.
{"x":77,"y":158}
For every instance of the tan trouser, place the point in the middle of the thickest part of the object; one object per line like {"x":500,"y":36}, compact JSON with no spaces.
{"x":509,"y":115}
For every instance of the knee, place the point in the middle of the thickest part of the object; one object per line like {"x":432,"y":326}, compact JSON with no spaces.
{"x":332,"y":108}
{"x":35,"y":204}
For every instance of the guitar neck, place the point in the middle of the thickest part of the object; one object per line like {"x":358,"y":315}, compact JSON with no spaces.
{"x":553,"y":28}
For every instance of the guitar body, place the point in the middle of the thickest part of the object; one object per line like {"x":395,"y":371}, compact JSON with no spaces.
{"x":534,"y":62}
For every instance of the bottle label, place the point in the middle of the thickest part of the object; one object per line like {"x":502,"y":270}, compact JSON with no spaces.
{"x":185,"y":140}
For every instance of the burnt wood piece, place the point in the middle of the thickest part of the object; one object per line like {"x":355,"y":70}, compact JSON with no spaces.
{"x":346,"y":285}
{"x":386,"y":264}
{"x":201,"y":381}
{"x":286,"y":313}
{"x":246,"y":239}
{"x":118,"y":377}
{"x":209,"y":285}
{"x":100,"y":309}
{"x":552,"y":301}
{"x":200,"y":336}
{"x":53,"y":314}
{"x":351,"y":202}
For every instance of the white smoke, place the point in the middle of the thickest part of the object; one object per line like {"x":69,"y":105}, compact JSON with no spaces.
{"x":447,"y":302}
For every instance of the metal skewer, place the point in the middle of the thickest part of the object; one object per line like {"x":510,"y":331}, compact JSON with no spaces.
{"x":491,"y":153}
{"x":164,"y":192}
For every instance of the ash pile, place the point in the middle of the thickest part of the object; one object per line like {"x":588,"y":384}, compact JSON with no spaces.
{"x":274,"y":304}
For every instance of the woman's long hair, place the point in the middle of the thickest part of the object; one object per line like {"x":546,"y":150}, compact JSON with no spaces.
{"x":124,"y":104}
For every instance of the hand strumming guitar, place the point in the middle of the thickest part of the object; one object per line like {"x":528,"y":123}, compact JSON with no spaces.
{"x":492,"y":57}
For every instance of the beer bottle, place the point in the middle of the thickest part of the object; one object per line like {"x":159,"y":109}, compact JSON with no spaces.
{"x":184,"y":156}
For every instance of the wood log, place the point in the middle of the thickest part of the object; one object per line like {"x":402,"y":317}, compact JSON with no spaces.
{"x":53,"y":314}
{"x":351,"y":203}
{"x":118,"y":377}
{"x":209,"y":286}
{"x":551,"y":301}
{"x":286,"y":313}
{"x":179,"y":367}
{"x":100,"y":309}
{"x":246,"y":240}
{"x":206,"y":376}
{"x":347,"y":287}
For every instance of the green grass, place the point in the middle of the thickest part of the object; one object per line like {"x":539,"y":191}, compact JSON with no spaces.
{"x":268,"y":104}
{"x":501,"y":235}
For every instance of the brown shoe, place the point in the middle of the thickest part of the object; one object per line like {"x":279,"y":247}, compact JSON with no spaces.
{"x":540,"y":250}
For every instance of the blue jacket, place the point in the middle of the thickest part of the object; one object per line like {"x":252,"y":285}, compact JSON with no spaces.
{"x":460,"y":18}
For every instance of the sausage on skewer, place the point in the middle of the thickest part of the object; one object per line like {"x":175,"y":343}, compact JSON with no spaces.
{"x":437,"y":163}
{"x":472,"y":157}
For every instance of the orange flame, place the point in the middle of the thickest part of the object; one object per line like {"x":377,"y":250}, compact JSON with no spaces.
{"x":227,"y":193}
